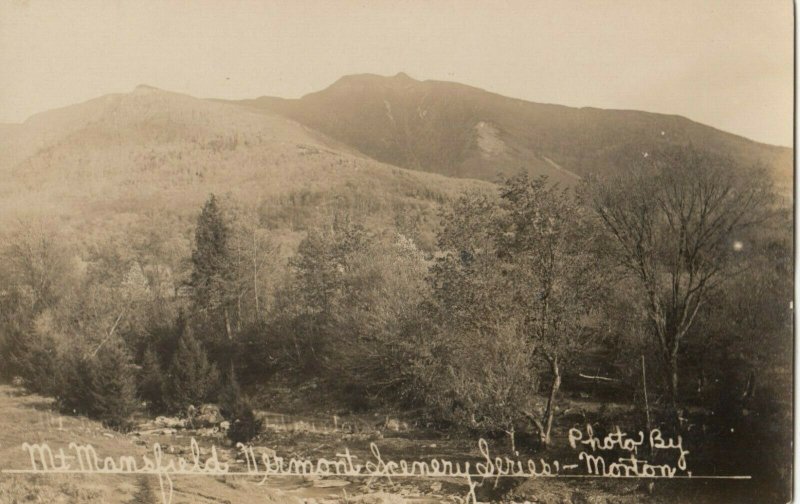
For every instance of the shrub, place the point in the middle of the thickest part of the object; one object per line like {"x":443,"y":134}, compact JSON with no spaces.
{"x":244,"y":423}
{"x":238,"y":410}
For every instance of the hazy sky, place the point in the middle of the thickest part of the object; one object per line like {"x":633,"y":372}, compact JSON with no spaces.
{"x":726,"y":63}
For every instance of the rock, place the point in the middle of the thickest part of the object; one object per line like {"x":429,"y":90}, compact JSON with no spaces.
{"x":170,"y":422}
{"x":208,"y":415}
{"x":378,"y":498}
{"x":208,"y":431}
{"x":263,"y":450}
{"x":330,"y":483}
{"x":224,"y":426}
{"x":154,"y":432}
{"x":395,"y":425}
{"x":300,"y":426}
{"x":279,"y":496}
{"x":225,"y":456}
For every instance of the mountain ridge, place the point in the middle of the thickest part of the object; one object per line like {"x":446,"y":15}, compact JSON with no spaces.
{"x":402,"y":76}
{"x":382,"y":146}
{"x":437,"y":126}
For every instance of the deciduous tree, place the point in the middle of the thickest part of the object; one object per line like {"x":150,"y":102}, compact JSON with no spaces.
{"x":544,"y":245}
{"x":676,"y":218}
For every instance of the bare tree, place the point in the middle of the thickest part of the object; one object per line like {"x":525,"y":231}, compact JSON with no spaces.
{"x":254,"y":252}
{"x":675,"y":218}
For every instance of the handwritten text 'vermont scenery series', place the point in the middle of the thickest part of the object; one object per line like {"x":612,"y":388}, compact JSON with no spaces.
{"x":596,"y":457}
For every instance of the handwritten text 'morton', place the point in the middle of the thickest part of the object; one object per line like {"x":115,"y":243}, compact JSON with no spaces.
{"x":591,"y":462}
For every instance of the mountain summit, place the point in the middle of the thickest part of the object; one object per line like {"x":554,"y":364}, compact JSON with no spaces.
{"x":463,"y":131}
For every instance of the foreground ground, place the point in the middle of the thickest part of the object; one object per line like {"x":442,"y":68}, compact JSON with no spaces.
{"x":30,"y":418}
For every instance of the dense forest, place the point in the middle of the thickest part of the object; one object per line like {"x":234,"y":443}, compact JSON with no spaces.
{"x":672,"y":277}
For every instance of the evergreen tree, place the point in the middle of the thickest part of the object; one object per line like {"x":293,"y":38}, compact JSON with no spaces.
{"x":191,"y":379}
{"x":230,"y":393}
{"x":75,"y":381}
{"x":112,"y":387}
{"x":151,"y":382}
{"x":33,"y":357}
{"x":213,"y":273}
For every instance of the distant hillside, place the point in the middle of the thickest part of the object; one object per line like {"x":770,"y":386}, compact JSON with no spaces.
{"x":119,"y":158}
{"x":461,"y":131}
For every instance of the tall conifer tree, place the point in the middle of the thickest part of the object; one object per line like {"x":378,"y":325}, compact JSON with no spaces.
{"x":213,"y":274}
{"x":191,"y":379}
{"x":113,"y":387}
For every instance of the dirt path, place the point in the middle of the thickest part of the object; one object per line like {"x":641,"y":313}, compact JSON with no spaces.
{"x":144,"y":494}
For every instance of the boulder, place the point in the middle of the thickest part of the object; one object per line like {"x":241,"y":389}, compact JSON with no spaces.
{"x":263,"y":450}
{"x":330,"y":483}
{"x":208,"y":415}
{"x":395,"y":425}
{"x":208,"y":431}
{"x":275,"y":495}
{"x":169,"y":422}
{"x":378,"y":498}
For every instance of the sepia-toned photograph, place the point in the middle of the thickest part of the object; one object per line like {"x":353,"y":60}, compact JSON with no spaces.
{"x":397,"y":251}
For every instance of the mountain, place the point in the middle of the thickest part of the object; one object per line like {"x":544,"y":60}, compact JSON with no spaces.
{"x":122,"y":158}
{"x":462,"y":131}
{"x":387,"y":150}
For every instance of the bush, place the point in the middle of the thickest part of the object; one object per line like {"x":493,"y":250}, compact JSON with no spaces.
{"x":244,"y":423}
{"x":238,"y":410}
